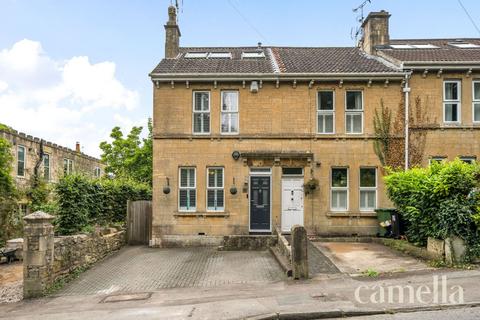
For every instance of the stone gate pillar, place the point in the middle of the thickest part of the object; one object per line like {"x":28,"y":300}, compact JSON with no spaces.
{"x":38,"y":240}
{"x":299,"y":252}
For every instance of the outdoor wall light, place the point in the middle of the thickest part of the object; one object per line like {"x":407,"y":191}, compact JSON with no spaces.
{"x":233,"y":189}
{"x":236,"y":155}
{"x":166,"y":189}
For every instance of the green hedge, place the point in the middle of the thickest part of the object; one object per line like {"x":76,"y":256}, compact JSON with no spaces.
{"x":83,"y":201}
{"x":438,"y":201}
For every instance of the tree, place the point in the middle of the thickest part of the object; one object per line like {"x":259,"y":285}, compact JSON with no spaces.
{"x":129,"y":157}
{"x":10,"y":221}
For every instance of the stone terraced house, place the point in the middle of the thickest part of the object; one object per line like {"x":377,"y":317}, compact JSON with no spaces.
{"x":55,"y":162}
{"x":249,"y":139}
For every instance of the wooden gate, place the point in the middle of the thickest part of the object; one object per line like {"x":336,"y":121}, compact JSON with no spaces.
{"x":139,"y":222}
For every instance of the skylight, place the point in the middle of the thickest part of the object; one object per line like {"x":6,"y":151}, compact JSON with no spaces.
{"x":413,"y":46}
{"x":401,"y":46}
{"x":220,"y":55}
{"x":196,"y":55}
{"x":253,"y":54}
{"x":424,"y":46}
{"x":464,"y":45}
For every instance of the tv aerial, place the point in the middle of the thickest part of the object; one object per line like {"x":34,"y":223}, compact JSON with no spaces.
{"x":357,"y":31}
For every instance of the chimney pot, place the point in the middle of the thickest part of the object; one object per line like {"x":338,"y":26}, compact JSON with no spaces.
{"x":77,"y":147}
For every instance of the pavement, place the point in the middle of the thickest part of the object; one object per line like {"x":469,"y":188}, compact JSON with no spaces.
{"x":202,"y":283}
{"x":332,"y":296}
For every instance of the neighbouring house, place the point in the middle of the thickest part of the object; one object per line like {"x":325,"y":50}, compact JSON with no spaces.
{"x":52,"y":161}
{"x":247,"y":139}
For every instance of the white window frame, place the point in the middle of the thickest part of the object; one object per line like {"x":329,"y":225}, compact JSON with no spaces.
{"x":326,"y":112}
{"x":200,"y":112}
{"x":360,"y":189}
{"x":192,"y":209}
{"x":475,"y":101}
{"x":458,"y":101}
{"x":437,"y":159}
{"x":49,"y":167}
{"x":354,"y":112}
{"x":332,"y":189}
{"x":97,"y":172}
{"x":468,"y":159}
{"x":222,"y":112}
{"x":24,"y":161}
{"x":219,"y":209}
{"x":69,"y":166}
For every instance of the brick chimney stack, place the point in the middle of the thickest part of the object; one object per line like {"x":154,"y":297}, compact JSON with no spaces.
{"x":375,"y":31}
{"x":77,"y":147}
{"x":172,"y":34}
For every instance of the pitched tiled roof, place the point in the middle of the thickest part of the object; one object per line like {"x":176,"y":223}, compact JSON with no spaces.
{"x":216,"y":65}
{"x":445,"y":51}
{"x":327,"y":60}
{"x":280,"y":60}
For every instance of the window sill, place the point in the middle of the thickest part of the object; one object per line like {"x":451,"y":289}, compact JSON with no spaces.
{"x":220,"y":214}
{"x":351,"y":214}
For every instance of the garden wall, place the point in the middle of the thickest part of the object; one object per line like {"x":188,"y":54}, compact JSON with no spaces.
{"x":80,"y":251}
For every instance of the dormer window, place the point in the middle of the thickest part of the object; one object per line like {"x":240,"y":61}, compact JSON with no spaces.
{"x":253,"y":55}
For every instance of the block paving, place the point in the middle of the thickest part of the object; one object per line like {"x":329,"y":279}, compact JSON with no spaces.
{"x":142,"y":269}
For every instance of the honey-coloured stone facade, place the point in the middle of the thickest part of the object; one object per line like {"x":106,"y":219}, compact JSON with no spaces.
{"x":274,"y":120}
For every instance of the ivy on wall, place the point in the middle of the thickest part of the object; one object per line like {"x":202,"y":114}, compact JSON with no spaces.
{"x":83,"y":201}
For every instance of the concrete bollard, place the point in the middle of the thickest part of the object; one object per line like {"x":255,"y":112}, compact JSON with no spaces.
{"x":37,"y":254}
{"x":299,"y":252}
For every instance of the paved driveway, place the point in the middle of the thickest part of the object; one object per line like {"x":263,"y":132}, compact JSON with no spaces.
{"x":140,"y":269}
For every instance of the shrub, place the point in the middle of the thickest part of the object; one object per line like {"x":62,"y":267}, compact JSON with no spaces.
{"x":74,"y":203}
{"x":438,"y":201}
{"x":83,"y":201}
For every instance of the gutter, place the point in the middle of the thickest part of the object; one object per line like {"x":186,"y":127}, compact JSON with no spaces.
{"x":274,"y":76}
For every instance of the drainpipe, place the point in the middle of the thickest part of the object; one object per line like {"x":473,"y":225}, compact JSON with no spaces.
{"x":406,"y":90}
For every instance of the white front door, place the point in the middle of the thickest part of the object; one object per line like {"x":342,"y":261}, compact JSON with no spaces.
{"x":292,"y":203}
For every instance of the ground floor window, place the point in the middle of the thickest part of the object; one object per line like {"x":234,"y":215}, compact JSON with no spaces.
{"x":437,"y":159}
{"x":368,"y":189}
{"x":187,"y":195}
{"x":215,"y":189}
{"x":469,"y":160}
{"x":339,"y":189}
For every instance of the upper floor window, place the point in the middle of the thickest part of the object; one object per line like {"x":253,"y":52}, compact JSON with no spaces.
{"x":201,"y":112}
{"x":368,"y":189}
{"x":21,"y":159}
{"x":46,"y":167}
{"x":97,"y":172}
{"x":187,"y":195}
{"x":229,"y":120}
{"x":339,"y":189}
{"x":215,"y":192}
{"x":67,"y":166}
{"x":326,"y":112}
{"x":451,"y":101}
{"x":476,"y":101}
{"x":354,"y":112}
